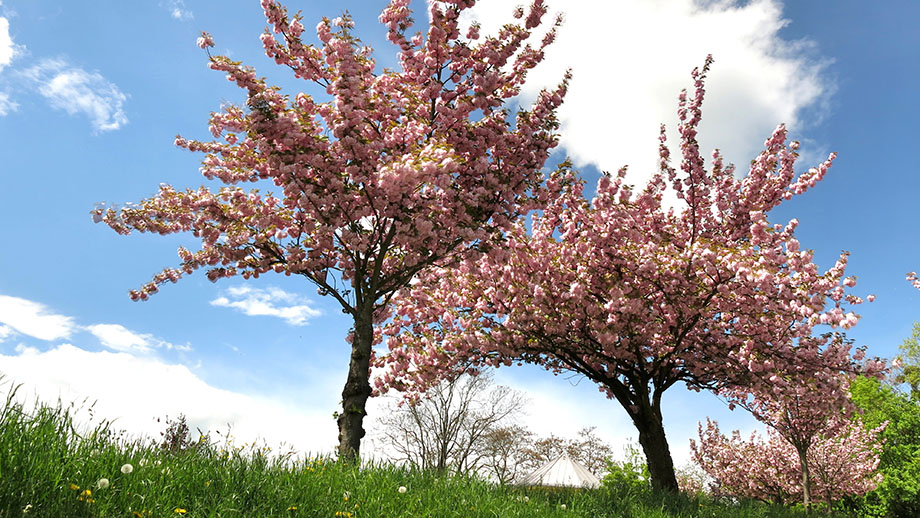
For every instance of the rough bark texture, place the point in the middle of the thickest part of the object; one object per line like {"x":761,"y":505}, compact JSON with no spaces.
{"x":357,"y":390}
{"x":655,"y":446}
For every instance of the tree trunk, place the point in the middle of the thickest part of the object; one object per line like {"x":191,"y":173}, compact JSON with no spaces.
{"x":806,"y":476}
{"x":655,"y":446}
{"x":357,"y":388}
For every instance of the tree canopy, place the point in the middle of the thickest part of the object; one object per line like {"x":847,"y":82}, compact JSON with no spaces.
{"x":639,"y":296}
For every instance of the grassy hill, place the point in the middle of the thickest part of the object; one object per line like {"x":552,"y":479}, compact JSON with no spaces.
{"x":51,"y":468}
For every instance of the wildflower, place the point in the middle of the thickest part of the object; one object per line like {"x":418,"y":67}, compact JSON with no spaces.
{"x":292,"y":508}
{"x":102,"y":483}
{"x":26,"y":509}
{"x":74,"y":487}
{"x":180,"y":510}
{"x":526,"y":499}
{"x":207,"y":484}
{"x":402,"y":490}
{"x":344,"y":514}
{"x":562,"y":506}
{"x":86,"y":496}
{"x":346,"y":496}
{"x":127,"y":469}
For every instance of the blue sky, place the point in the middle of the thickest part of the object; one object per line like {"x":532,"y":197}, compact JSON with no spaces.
{"x":92,"y":95}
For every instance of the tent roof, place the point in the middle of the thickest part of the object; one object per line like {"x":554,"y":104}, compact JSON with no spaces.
{"x":563,"y":471}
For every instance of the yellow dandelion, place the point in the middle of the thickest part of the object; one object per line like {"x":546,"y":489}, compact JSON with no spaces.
{"x":74,"y":487}
{"x":292,"y":508}
{"x":180,"y":510}
{"x":86,"y":496}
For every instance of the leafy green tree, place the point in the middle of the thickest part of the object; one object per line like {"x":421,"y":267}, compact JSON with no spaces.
{"x":898,"y":495}
{"x":908,"y":371}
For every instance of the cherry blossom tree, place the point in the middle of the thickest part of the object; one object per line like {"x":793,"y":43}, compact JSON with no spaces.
{"x":804,"y":413}
{"x":799,"y":414}
{"x":846,"y":462}
{"x":638,"y":296}
{"x":844,"y":459}
{"x":394,"y":171}
{"x":755,"y":468}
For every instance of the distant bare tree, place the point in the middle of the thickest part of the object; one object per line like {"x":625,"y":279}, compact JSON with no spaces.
{"x":504,"y":453}
{"x":443,"y":431}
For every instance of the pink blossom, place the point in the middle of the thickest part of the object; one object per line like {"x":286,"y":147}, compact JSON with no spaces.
{"x":205,"y":40}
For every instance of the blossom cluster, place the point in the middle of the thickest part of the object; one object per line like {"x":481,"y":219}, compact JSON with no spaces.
{"x":913,"y":279}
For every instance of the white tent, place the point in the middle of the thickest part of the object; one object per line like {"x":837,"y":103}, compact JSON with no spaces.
{"x":563,"y":471}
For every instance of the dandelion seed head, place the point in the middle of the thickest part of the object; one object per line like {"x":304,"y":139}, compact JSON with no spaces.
{"x":127,"y":469}
{"x":102,"y":483}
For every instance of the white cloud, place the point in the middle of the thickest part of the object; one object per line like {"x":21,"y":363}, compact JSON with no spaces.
{"x":275,"y":302}
{"x":136,"y":390}
{"x":6,"y":105}
{"x":120,"y":338}
{"x":75,"y":90}
{"x":631,"y":58}
{"x":7,"y":48}
{"x":178,"y":11}
{"x":34,"y":319}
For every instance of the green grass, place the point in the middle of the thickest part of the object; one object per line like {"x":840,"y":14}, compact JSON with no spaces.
{"x":47,"y":465}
